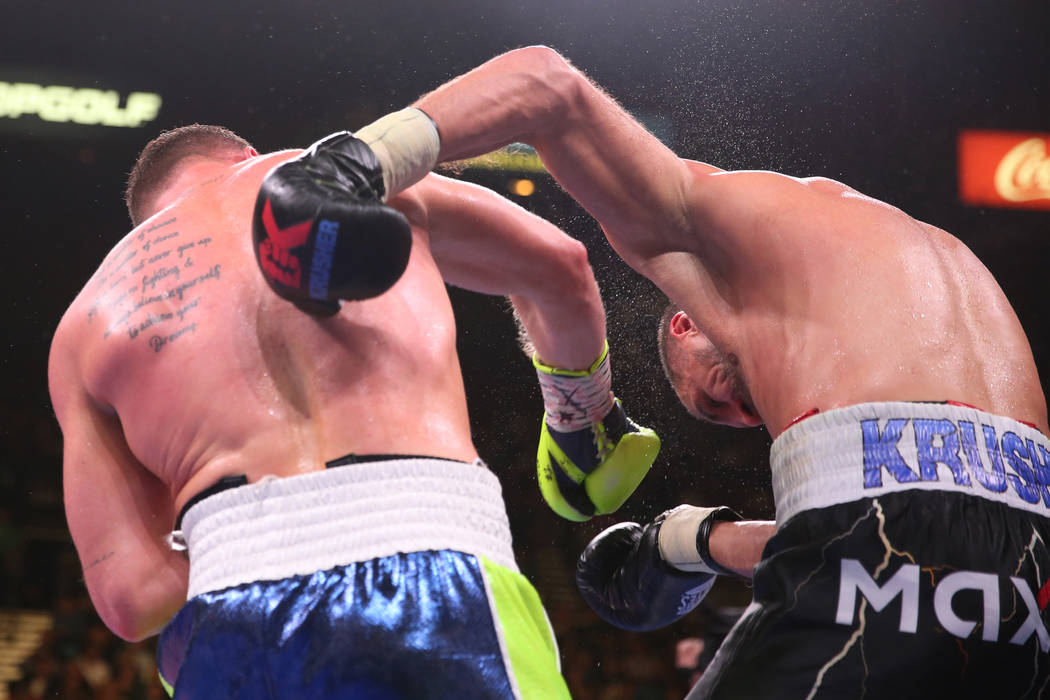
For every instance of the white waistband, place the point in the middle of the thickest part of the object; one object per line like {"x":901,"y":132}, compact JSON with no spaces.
{"x":276,"y":528}
{"x":870,"y":449}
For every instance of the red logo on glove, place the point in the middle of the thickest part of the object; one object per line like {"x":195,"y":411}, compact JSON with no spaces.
{"x":275,"y":254}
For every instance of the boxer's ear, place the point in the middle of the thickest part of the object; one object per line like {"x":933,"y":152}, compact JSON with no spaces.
{"x":681,"y":324}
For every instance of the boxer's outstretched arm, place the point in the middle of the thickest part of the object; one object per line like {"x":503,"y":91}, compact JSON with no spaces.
{"x":645,"y":577}
{"x":738,"y":545}
{"x":631,"y":183}
{"x":485,"y":243}
{"x":118,"y":513}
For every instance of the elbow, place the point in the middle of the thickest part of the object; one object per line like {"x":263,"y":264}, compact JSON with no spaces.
{"x":577,"y":277}
{"x":124,"y":620}
{"x":135,"y":612}
{"x":551,"y":75}
{"x":542,"y":61}
{"x":129,"y":632}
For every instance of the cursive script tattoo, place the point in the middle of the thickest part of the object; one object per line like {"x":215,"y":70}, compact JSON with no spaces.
{"x":144,"y":285}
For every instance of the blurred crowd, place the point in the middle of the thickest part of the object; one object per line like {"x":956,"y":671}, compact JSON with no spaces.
{"x":80,"y":659}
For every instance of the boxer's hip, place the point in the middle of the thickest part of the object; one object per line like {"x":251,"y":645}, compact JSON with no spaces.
{"x":391,"y":578}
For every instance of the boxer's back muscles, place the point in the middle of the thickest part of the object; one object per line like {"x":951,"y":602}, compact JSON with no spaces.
{"x":210,"y":372}
{"x":826,"y":297}
{"x":831,"y":298}
{"x":176,"y":365}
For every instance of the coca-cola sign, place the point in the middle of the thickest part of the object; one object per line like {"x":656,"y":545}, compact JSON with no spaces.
{"x":1004,"y":169}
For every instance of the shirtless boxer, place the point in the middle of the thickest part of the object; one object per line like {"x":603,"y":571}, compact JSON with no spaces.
{"x":343,"y":536}
{"x":910,"y":457}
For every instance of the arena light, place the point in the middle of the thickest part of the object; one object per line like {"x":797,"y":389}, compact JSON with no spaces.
{"x":63,"y":103}
{"x":522,"y":187}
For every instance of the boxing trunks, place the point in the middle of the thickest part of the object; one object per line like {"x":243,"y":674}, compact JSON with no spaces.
{"x":910,"y":561}
{"x":383,"y":579}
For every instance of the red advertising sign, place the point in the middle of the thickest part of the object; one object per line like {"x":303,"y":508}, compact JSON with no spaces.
{"x":1004,"y":169}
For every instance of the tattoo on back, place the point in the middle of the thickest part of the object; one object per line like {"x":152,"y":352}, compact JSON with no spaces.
{"x":151,"y":285}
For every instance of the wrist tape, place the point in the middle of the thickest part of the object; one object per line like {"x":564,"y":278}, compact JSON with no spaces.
{"x":684,"y":534}
{"x":576,"y":399}
{"x":406,"y":143}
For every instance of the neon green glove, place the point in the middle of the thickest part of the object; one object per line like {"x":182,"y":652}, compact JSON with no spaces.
{"x":591,"y":456}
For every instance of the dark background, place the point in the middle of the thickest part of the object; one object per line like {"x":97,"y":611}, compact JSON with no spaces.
{"x":869,"y":93}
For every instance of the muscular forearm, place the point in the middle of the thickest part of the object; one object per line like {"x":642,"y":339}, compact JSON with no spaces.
{"x":517,"y":96}
{"x":565,"y":329}
{"x":531,"y":95}
{"x":606,"y":160}
{"x":642,"y":578}
{"x":738,"y":545}
{"x":485,"y":243}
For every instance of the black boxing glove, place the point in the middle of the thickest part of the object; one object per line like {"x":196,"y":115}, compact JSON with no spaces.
{"x":321,"y":232}
{"x":625,"y":574}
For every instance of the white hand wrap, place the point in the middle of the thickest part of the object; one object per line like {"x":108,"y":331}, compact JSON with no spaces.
{"x":406,"y":143}
{"x":678,"y":538}
{"x":576,"y":399}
